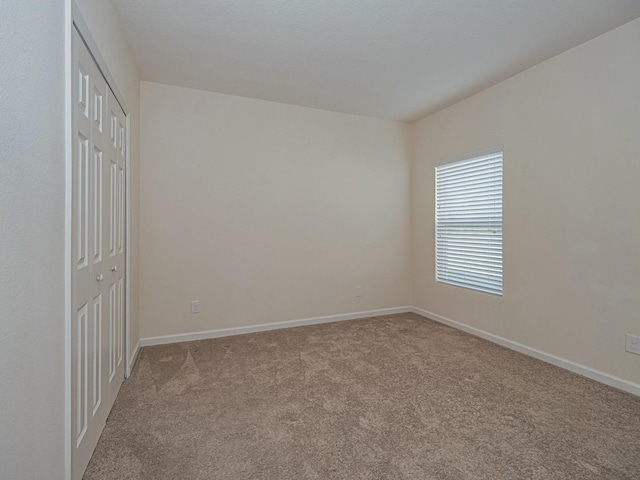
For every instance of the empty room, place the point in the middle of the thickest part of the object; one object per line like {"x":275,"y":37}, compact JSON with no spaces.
{"x":341,"y":239}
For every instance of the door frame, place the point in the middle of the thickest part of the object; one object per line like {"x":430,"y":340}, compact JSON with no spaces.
{"x":75,"y":21}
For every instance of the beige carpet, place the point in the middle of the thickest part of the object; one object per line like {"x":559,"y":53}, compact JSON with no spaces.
{"x":395,"y":397}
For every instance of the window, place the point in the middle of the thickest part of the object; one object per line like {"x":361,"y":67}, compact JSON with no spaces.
{"x":469,"y":223}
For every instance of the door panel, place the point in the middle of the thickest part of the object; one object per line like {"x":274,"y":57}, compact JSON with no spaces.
{"x":120,"y":316}
{"x":112,"y":331}
{"x":113,"y":198}
{"x":81,"y":180}
{"x":82,"y":372}
{"x":97,"y":205}
{"x":98,"y":248}
{"x":96,"y":351}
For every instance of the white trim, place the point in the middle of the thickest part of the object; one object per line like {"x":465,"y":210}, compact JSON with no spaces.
{"x":585,"y":371}
{"x":588,"y":372}
{"x":226,"y":332}
{"x":129,"y":356}
{"x":68,"y":216}
{"x":134,"y":356}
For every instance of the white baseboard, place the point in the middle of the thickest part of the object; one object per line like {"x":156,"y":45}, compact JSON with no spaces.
{"x":585,"y":371}
{"x":226,"y":332}
{"x":588,"y":372}
{"x":134,"y":356}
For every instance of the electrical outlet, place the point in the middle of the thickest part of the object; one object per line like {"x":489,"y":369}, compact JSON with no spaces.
{"x":358,"y":291}
{"x":195,"y":306}
{"x":632,"y":344}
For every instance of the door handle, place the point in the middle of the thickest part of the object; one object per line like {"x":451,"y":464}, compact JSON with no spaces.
{"x":99,"y":277}
{"x":114,"y":269}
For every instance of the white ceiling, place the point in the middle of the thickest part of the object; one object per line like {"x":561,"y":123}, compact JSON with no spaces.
{"x":396,"y":59}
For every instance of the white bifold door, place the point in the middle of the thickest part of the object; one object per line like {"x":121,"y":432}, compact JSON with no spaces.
{"x":98,"y":254}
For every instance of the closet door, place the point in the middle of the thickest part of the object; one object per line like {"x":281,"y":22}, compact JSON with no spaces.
{"x":98,"y":246}
{"x":115,"y":229}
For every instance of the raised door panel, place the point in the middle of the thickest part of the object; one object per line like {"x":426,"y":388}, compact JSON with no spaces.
{"x":82,"y":373}
{"x":96,"y":348}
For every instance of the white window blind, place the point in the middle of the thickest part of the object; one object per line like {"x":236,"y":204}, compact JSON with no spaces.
{"x":469,"y":223}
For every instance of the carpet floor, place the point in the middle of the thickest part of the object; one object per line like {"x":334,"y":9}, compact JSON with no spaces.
{"x":391,"y":397}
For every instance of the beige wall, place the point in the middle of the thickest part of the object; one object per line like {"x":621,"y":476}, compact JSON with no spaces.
{"x":571,"y":134}
{"x":267,"y":212}
{"x":32,"y":235}
{"x":102,"y":21}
